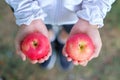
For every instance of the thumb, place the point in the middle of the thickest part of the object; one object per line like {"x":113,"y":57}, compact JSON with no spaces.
{"x":18,"y":50}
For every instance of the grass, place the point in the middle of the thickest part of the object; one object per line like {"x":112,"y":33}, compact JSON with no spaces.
{"x":113,"y":16}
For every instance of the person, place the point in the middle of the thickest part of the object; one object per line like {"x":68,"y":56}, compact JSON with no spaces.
{"x":66,"y":16}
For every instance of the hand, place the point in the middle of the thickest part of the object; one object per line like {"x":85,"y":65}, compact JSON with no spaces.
{"x":36,"y":25}
{"x":83,"y":26}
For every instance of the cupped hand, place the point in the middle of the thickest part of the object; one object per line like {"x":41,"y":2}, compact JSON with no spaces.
{"x":83,"y":26}
{"x":36,"y":25}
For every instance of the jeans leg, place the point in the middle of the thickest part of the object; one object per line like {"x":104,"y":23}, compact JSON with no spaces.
{"x":68,"y":28}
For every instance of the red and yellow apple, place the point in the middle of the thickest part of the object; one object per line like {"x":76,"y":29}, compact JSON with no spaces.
{"x":79,"y":47}
{"x":35,"y":46}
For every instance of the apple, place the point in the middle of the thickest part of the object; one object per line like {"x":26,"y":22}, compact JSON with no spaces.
{"x":79,"y":47}
{"x":35,"y":46}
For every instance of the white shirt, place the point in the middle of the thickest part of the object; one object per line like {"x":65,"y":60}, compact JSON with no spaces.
{"x":58,"y":12}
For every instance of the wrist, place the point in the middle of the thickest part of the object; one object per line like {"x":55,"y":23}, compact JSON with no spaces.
{"x":83,"y":26}
{"x":87,"y":24}
{"x":33,"y":23}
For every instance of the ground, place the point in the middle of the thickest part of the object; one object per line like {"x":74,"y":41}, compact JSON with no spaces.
{"x":105,"y":67}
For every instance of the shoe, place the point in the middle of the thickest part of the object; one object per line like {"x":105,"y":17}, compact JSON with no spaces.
{"x":49,"y":64}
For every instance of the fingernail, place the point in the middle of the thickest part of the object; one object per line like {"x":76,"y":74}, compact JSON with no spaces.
{"x":34,"y":62}
{"x":75,"y":62}
{"x":41,"y":60}
{"x":24,"y":59}
{"x":49,"y":54}
{"x":83,"y":63}
{"x":69,"y":59}
{"x":65,"y":54}
{"x":46,"y":57}
{"x":23,"y":56}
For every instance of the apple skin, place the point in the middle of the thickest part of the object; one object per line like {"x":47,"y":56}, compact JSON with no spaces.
{"x":35,"y":46}
{"x":80,"y":47}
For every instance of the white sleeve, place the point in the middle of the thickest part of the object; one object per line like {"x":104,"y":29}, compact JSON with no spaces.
{"x":25,"y":11}
{"x":94,"y":11}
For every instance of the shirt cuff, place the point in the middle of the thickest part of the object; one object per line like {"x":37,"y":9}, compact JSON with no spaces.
{"x":28,"y":19}
{"x":92,"y":16}
{"x":25,"y":11}
{"x":94,"y":11}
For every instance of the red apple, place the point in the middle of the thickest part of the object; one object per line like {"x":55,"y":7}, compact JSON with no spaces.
{"x":79,"y":47}
{"x":35,"y":46}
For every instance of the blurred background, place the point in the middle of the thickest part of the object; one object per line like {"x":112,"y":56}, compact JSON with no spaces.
{"x":105,"y":67}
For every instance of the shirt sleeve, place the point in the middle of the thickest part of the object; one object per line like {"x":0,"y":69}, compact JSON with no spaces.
{"x":25,"y":11}
{"x":94,"y":11}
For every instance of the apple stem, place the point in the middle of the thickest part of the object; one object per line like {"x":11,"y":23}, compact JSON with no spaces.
{"x":35,"y":43}
{"x":81,"y":47}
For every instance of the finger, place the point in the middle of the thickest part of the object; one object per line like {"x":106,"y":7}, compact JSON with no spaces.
{"x":75,"y":63}
{"x":46,"y":57}
{"x":64,"y":52}
{"x":69,"y":59}
{"x":83,"y":63}
{"x":66,"y":55}
{"x":34,"y":61}
{"x":19,"y":52}
{"x":49,"y":54}
{"x":41,"y":61}
{"x":21,"y":55}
